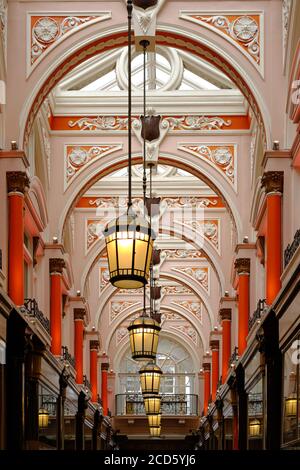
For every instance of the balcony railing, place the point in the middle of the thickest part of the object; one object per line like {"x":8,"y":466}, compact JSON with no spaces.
{"x":171,"y":405}
{"x":291,"y":248}
{"x":67,"y":356}
{"x":31,"y":308}
{"x":258,"y":313}
{"x":86,"y":382}
{"x":234,"y":357}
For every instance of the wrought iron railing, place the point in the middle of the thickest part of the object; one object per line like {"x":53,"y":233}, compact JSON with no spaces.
{"x":86,"y":382}
{"x":67,"y":356}
{"x":31,"y":308}
{"x":234,"y":357}
{"x":291,"y":248}
{"x":174,"y":405}
{"x":258,"y":313}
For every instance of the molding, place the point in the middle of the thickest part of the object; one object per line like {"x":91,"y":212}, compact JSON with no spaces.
{"x":220,"y":29}
{"x":45,"y":47}
{"x":15,"y":154}
{"x":278,"y":154}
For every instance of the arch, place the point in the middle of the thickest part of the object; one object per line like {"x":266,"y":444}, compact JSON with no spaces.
{"x":180,"y":311}
{"x":36,"y":193}
{"x":166,"y":35}
{"x":110,"y":291}
{"x":187,"y":162}
{"x":167,"y":334}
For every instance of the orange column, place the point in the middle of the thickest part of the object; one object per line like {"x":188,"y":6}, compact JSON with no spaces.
{"x":94,"y":347}
{"x":56,"y":266}
{"x":79,"y":314}
{"x":104,"y":397}
{"x":242,"y":265}
{"x":17,"y":182}
{"x":225,"y":315}
{"x":206,"y":369}
{"x":214,"y":345}
{"x":272,"y":181}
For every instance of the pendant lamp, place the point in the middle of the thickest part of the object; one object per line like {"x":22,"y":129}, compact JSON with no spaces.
{"x":43,"y":418}
{"x":129,"y":238}
{"x":154,"y":420}
{"x":150,"y":375}
{"x":152,"y":405}
{"x":155,"y":431}
{"x":143,"y":334}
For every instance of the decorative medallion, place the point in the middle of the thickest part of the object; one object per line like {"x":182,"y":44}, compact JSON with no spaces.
{"x":223,"y":158}
{"x":242,"y":29}
{"x":47,"y":30}
{"x":77,"y":157}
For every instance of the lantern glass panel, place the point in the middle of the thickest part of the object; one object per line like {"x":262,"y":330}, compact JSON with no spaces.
{"x":152,"y":405}
{"x":154,"y":420}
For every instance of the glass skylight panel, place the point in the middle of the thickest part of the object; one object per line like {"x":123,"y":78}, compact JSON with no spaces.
{"x":101,"y":82}
{"x":198,"y":81}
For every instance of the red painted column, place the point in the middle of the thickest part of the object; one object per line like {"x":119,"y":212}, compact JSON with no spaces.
{"x":79,"y":314}
{"x":17,"y":183}
{"x":272,"y":181}
{"x":94,"y":347}
{"x":56,"y":266}
{"x":225,"y":315}
{"x":242,"y":265}
{"x":206,"y":369}
{"x":104,"y":397}
{"x":214,"y":345}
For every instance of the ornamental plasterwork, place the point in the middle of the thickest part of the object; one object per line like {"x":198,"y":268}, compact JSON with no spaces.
{"x":181,"y":254}
{"x":175,"y":290}
{"x":193,"y":307}
{"x":121,"y":334}
{"x":170,"y":316}
{"x":244,"y":29}
{"x":117,"y":308}
{"x":223,"y":157}
{"x":47,"y":149}
{"x":286,"y":14}
{"x":195,"y":123}
{"x":94,"y":229}
{"x":200,"y":274}
{"x":208,"y":228}
{"x":187,"y":331}
{"x":78,"y":157}
{"x":46,"y":30}
{"x":189,"y":201}
{"x":171,"y":123}
{"x":104,"y":277}
{"x":3,"y":23}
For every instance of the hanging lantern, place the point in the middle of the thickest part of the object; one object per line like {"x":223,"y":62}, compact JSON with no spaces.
{"x":143,"y":333}
{"x":150,"y":127}
{"x":152,"y":405}
{"x":154,"y":420}
{"x":291,"y":406}
{"x":155,"y":431}
{"x":144,"y":3}
{"x":150,"y":376}
{"x":129,"y":242}
{"x":43,"y":418}
{"x":254,"y":427}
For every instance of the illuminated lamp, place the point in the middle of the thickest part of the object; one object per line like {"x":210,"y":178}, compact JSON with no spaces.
{"x":150,"y":375}
{"x":152,"y":405}
{"x":143,"y":334}
{"x":254,"y":427}
{"x":43,"y":418}
{"x":154,"y":420}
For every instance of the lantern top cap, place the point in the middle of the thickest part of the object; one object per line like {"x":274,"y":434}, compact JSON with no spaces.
{"x":129,"y":222}
{"x":144,"y":321}
{"x":43,"y":411}
{"x":150,"y":367}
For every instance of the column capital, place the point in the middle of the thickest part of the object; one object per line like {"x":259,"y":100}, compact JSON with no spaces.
{"x":242,"y":265}
{"x":214,"y":344}
{"x":105,"y":366}
{"x":17,"y":181}
{"x":225,"y":314}
{"x":206,"y":366}
{"x":272,"y":181}
{"x":79,"y":313}
{"x":94,"y":345}
{"x":56,"y":265}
